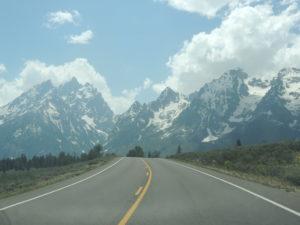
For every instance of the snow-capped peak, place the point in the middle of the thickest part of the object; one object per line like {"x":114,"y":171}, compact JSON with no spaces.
{"x":288,"y":87}
{"x":167,"y":96}
{"x":286,"y":72}
{"x":69,"y":86}
{"x":69,"y":117}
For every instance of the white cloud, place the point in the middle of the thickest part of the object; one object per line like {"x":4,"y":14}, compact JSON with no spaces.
{"x":207,"y":8}
{"x":58,"y":18}
{"x":35,"y":72}
{"x":2,"y":68}
{"x":254,"y":38}
{"x":134,"y":92}
{"x":83,"y":38}
{"x":147,"y":83}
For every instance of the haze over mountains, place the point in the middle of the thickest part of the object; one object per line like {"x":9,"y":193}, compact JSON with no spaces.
{"x":73,"y":117}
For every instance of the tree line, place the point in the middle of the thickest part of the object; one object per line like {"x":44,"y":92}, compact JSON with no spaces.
{"x":49,"y":160}
{"x":138,"y":151}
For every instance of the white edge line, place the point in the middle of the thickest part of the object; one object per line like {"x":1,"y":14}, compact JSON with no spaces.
{"x":59,"y":189}
{"x":243,"y":189}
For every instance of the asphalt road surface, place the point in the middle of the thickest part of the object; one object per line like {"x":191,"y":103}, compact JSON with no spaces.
{"x":154,"y":192}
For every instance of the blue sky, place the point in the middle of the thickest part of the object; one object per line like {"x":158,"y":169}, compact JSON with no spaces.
{"x":131,"y":50}
{"x":132,"y":39}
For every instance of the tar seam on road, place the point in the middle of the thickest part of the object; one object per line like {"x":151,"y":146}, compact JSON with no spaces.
{"x":135,"y":205}
{"x":59,"y":189}
{"x":243,"y":189}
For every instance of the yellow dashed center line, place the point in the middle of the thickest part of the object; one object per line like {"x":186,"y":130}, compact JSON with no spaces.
{"x":138,"y":191}
{"x":135,"y":205}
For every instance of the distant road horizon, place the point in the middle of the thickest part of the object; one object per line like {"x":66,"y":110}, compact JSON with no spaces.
{"x":152,"y":191}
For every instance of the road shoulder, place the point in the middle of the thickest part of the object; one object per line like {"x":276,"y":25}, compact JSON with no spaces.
{"x":290,"y":199}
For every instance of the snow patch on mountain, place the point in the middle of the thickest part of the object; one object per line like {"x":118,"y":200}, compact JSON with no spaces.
{"x":72,"y":113}
{"x":291,"y":89}
{"x":245,"y":108}
{"x":164,"y":117}
{"x":258,"y":87}
{"x":51,"y":110}
{"x":89,"y":121}
{"x":210,"y":137}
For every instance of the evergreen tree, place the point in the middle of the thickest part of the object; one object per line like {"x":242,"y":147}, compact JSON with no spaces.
{"x":238,"y":143}
{"x":136,"y":152}
{"x":179,"y":149}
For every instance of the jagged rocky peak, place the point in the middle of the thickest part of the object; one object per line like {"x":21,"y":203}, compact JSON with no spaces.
{"x":287,"y":87}
{"x":40,"y":89}
{"x":230,"y":83}
{"x":236,"y":73}
{"x":135,"y":108}
{"x":32,"y":95}
{"x":88,"y":91}
{"x":70,"y":86}
{"x":167,"y":96}
{"x":90,"y":87}
{"x":289,"y":72}
{"x":67,"y":117}
{"x":44,"y":86}
{"x":287,"y":80}
{"x":234,"y":78}
{"x":291,"y":79}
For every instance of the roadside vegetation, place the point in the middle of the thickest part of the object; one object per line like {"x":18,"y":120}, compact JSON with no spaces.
{"x":137,"y":151}
{"x":21,"y":174}
{"x":45,"y":161}
{"x":153,"y":154}
{"x":275,"y":164}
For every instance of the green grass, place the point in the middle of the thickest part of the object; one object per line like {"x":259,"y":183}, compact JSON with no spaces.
{"x":15,"y":182}
{"x":276,"y":165}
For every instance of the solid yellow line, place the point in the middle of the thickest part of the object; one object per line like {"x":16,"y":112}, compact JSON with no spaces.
{"x":139,"y":191}
{"x":135,"y":205}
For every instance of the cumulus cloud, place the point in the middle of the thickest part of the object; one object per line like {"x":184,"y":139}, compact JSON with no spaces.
{"x":207,"y":8}
{"x":147,"y":83}
{"x":83,"y":38}
{"x":255,"y":38}
{"x":135,"y":91}
{"x":2,"y":68}
{"x":58,"y":18}
{"x":35,"y":72}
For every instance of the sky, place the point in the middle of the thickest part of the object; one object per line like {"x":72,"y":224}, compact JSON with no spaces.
{"x":131,"y":50}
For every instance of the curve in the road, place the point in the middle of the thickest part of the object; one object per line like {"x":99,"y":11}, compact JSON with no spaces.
{"x":140,"y":197}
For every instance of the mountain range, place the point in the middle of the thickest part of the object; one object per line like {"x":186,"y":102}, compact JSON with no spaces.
{"x":73,"y":117}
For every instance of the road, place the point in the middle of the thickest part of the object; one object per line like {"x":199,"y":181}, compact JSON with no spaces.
{"x":154,"y":192}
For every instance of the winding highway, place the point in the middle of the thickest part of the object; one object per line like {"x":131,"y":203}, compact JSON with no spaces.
{"x":152,"y":192}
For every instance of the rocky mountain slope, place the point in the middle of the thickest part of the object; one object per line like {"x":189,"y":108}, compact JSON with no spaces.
{"x":73,"y":117}
{"x":228,"y":108}
{"x":146,"y":124}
